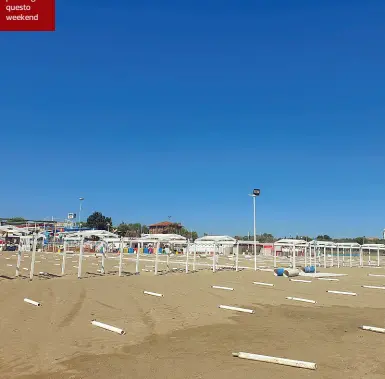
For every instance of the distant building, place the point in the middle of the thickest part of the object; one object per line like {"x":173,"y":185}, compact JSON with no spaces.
{"x":165,"y":227}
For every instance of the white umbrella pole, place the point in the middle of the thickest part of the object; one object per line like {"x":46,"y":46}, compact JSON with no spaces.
{"x":33,"y":258}
{"x":120,"y":256}
{"x":277,"y":360}
{"x":137,"y":258}
{"x":63,"y":265}
{"x":108,"y":327}
{"x":156,"y":257}
{"x":350,"y":255}
{"x":187,"y":254}
{"x":103,"y":268}
{"x":275,"y":256}
{"x":305,"y":256}
{"x":19,"y":255}
{"x":80,"y":257}
{"x":294,"y":256}
{"x":214,"y":257}
{"x":195,"y":256}
{"x":338,"y":256}
{"x":378,"y":257}
{"x":324,"y":256}
{"x":168,"y":259}
{"x":361,"y":257}
{"x":237,"y":258}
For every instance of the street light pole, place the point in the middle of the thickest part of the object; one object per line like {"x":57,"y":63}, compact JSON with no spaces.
{"x":80,"y":210}
{"x":255,"y":237}
{"x":256,"y":192}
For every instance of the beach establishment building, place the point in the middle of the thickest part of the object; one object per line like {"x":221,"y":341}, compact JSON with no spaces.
{"x":165,"y":227}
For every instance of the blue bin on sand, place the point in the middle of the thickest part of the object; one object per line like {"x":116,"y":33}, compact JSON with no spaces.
{"x":309,"y":269}
{"x":279,"y":271}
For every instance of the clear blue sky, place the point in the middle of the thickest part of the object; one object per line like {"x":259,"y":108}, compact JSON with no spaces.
{"x":151,"y":110}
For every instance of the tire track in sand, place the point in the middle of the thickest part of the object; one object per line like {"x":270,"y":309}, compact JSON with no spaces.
{"x":74,"y":311}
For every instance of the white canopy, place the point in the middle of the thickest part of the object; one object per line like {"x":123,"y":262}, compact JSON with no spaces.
{"x":290,"y":242}
{"x":89,"y":234}
{"x":220,"y":240}
{"x":162,"y":238}
{"x":373,"y":246}
{"x":241,"y":242}
{"x":323,"y":243}
{"x":347,"y":245}
{"x":13,"y":231}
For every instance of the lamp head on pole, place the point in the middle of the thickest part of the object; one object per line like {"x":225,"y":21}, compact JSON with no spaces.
{"x":81,"y":198}
{"x":256,"y":192}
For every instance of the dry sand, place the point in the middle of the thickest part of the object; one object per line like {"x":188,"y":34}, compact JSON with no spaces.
{"x":184,"y":334}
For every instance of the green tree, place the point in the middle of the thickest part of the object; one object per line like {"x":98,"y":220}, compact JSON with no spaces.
{"x":359,"y":240}
{"x":324,"y":237}
{"x":265,"y":237}
{"x":131,"y":230}
{"x":16,"y":219}
{"x":98,"y":221}
{"x":192,"y":235}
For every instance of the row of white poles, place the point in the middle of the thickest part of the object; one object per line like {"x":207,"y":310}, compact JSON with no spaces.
{"x":311,"y":253}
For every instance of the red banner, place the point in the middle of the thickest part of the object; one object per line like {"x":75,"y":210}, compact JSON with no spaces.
{"x":27,"y":15}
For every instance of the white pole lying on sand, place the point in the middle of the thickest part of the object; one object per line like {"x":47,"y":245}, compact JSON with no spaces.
{"x":152,"y":293}
{"x":373,"y":329}
{"x":300,"y":280}
{"x":80,"y":257}
{"x":343,"y":293}
{"x":35,"y":303}
{"x":280,"y":361}
{"x":264,"y":284}
{"x":329,"y":279}
{"x":236,"y":309}
{"x":120,"y":256}
{"x":379,"y":275}
{"x":299,"y":299}
{"x":374,"y":287}
{"x":223,"y":288}
{"x":108,"y":327}
{"x":33,"y":257}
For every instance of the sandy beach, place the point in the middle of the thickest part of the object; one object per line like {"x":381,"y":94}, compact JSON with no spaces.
{"x":184,"y":334}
